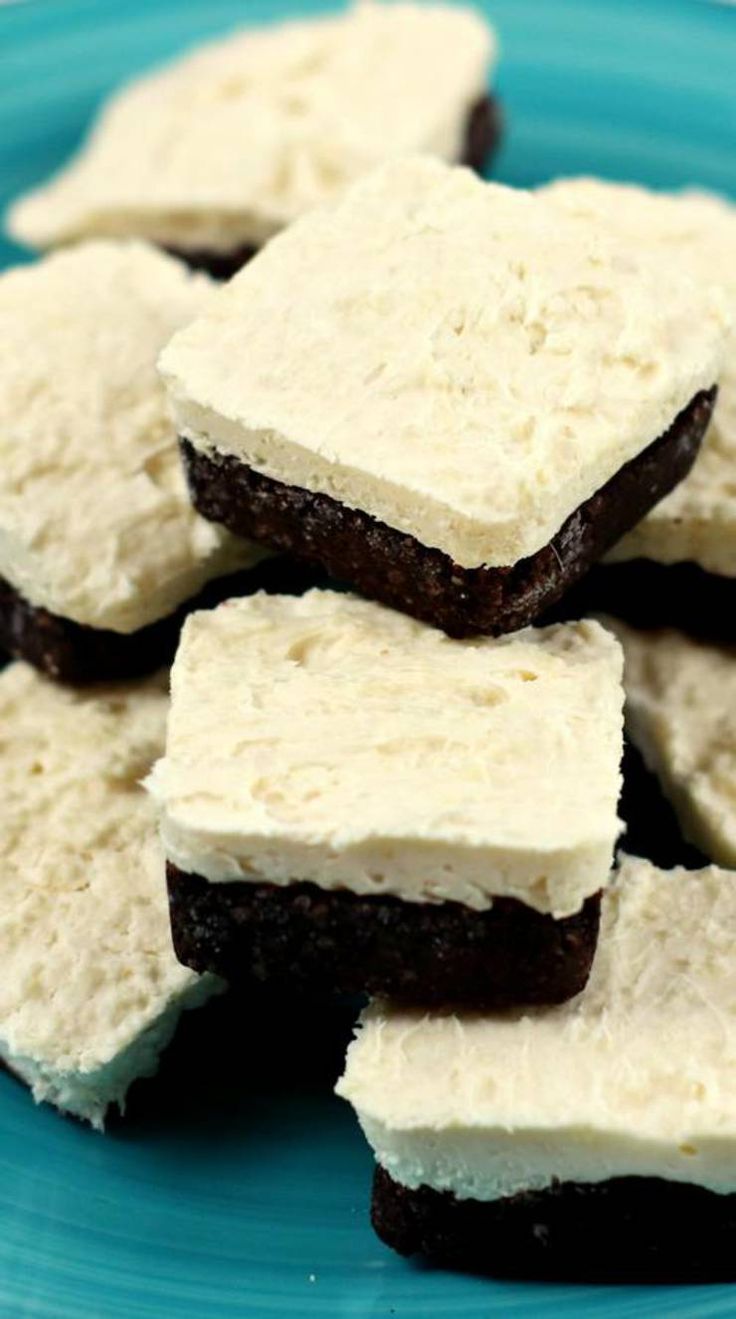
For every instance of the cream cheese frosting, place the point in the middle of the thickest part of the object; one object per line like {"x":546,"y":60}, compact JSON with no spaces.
{"x":681,"y":714}
{"x":464,"y":362}
{"x":91,"y":989}
{"x":95,"y":520}
{"x":328,"y":739}
{"x":226,"y":145}
{"x":694,"y":231}
{"x":634,"y":1077}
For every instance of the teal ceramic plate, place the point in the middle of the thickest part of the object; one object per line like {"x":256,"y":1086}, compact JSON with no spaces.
{"x":239,"y":1185}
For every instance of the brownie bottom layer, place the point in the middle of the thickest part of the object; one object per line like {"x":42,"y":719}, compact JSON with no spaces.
{"x":73,"y":653}
{"x":395,"y":568}
{"x":300,"y":936}
{"x":482,"y":136}
{"x":626,"y":1229}
{"x":651,"y":595}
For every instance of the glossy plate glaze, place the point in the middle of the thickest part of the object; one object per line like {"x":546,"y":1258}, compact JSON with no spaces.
{"x":238,"y":1185}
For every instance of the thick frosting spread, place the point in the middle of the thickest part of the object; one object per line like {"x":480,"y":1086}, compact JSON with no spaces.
{"x":233,"y":141}
{"x":91,"y":989}
{"x":634,"y":1077}
{"x":329,"y":739}
{"x":694,"y":231}
{"x":464,"y":362}
{"x":681,"y":714}
{"x":95,"y":520}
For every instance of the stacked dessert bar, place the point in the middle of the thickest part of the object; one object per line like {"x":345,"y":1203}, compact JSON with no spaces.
{"x":102,"y":554}
{"x":458,"y":407}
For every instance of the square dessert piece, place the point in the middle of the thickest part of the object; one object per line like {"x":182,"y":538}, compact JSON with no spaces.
{"x":352,"y":801}
{"x":470,"y":399}
{"x":594,"y":1140}
{"x":91,"y":990}
{"x":100,"y":550}
{"x":677,"y":567}
{"x":213,"y":154}
{"x":681,"y":716}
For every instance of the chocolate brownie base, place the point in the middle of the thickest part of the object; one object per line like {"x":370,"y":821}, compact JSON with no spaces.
{"x":626,"y":1229}
{"x":482,"y":133}
{"x":395,"y":568}
{"x":482,"y":136}
{"x":220,"y":265}
{"x":652,"y":828}
{"x":303,"y":937}
{"x":70,"y":652}
{"x":652,"y":595}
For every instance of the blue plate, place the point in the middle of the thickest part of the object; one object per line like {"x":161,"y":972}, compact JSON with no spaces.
{"x":239,"y":1185}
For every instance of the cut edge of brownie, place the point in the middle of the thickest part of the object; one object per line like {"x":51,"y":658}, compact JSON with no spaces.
{"x":396,"y":569}
{"x":483,"y":131}
{"x":625,"y":1229}
{"x":336,"y":941}
{"x":76,"y":654}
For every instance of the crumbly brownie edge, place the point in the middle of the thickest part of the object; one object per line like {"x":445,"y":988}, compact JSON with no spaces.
{"x":396,"y":569}
{"x":73,"y":653}
{"x":626,"y":1229}
{"x":482,"y":136}
{"x":652,"y":595}
{"x":336,"y":941}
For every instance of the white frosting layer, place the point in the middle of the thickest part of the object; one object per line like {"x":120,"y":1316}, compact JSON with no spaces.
{"x":235,"y":140}
{"x":681,"y":714}
{"x":634,"y":1077}
{"x":95,"y":519}
{"x":463,"y":362}
{"x":91,"y":989}
{"x":697,"y":232}
{"x":331,"y":740}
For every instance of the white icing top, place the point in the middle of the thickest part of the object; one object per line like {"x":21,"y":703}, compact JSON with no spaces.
{"x":463,"y":362}
{"x":95,"y":519}
{"x":228,"y":144}
{"x":329,"y":739}
{"x":90,"y":987}
{"x":694,"y":231}
{"x":681,"y":714}
{"x":634,"y":1077}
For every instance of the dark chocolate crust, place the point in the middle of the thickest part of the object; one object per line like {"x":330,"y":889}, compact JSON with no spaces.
{"x":626,"y":1229}
{"x":482,"y":136}
{"x":303,"y":937}
{"x":483,"y":133}
{"x":653,"y":595}
{"x":395,"y":568}
{"x":72,"y":653}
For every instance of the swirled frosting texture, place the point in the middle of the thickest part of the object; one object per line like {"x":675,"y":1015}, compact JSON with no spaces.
{"x":95,"y":519}
{"x":634,"y":1077}
{"x":230,"y":143}
{"x":697,"y":232}
{"x":329,"y":739}
{"x":464,"y":362}
{"x":91,"y":989}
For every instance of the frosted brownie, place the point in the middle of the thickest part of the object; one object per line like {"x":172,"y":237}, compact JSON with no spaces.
{"x":677,"y":567}
{"x":100,"y":549}
{"x":91,"y":990}
{"x":681,"y":715}
{"x":596,"y":1139}
{"x":213,"y":154}
{"x":471,"y":399}
{"x":352,"y":801}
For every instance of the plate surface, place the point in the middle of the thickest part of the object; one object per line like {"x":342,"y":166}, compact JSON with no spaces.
{"x":239,"y":1185}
